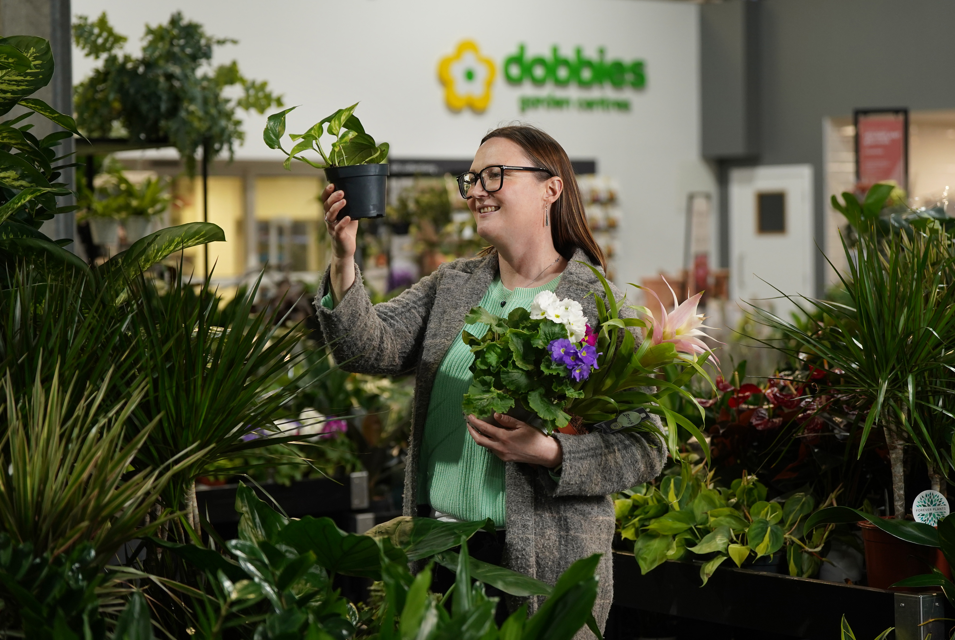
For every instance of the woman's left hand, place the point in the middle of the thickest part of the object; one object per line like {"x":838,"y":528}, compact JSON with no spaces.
{"x":516,"y":441}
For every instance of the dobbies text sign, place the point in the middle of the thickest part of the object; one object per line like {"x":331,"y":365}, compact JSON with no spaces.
{"x":468,"y":77}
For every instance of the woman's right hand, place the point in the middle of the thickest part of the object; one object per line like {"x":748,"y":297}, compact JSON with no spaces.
{"x":344,"y":235}
{"x":342,"y":232}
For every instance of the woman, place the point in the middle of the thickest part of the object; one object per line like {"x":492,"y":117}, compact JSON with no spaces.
{"x":549,"y":493}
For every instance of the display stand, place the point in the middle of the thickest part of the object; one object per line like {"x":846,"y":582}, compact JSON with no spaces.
{"x":774,"y":604}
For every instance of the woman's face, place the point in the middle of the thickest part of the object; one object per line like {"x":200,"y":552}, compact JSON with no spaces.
{"x":515,"y":214}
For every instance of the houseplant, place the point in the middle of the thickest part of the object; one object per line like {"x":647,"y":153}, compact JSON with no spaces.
{"x":168,"y":93}
{"x":886,"y":344}
{"x":115,"y":198}
{"x":354,"y":162}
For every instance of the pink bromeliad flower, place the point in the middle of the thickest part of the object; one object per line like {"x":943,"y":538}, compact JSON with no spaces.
{"x":681,"y":326}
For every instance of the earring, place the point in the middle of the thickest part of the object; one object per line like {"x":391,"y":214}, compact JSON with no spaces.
{"x":546,"y":216}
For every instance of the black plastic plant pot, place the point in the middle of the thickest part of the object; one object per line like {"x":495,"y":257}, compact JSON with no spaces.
{"x":364,"y":187}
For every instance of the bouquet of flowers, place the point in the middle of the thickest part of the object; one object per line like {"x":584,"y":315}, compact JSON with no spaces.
{"x":553,"y":368}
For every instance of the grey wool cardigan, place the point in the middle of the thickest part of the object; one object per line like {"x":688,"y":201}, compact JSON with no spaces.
{"x":549,"y":524}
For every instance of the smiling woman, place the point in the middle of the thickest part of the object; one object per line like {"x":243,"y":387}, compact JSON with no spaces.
{"x":547,"y":495}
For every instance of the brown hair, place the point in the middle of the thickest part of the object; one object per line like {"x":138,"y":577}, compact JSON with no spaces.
{"x":568,"y":221}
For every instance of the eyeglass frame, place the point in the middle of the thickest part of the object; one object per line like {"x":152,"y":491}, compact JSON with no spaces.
{"x":503,"y":168}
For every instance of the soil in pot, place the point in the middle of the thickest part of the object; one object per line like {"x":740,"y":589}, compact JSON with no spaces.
{"x":364,"y":187}
{"x":888,"y":559}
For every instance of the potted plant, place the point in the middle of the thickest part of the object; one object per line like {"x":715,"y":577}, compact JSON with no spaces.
{"x":144,"y":202}
{"x":354,"y":162}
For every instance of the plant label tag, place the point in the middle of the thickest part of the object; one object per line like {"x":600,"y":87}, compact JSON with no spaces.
{"x":623,"y":421}
{"x":930,"y":507}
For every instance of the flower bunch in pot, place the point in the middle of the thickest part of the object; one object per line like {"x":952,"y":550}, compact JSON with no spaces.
{"x":354,"y":162}
{"x":551,"y":367}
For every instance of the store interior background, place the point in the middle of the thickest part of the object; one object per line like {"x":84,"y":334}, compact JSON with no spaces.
{"x":732,"y":85}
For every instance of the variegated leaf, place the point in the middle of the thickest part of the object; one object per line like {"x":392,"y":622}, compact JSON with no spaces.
{"x":149,"y":250}
{"x":16,"y":85}
{"x":40,"y":247}
{"x":25,"y":196}
{"x":17,"y":173}
{"x":50,"y":113}
{"x":12,"y":137}
{"x":10,"y":229}
{"x":11,"y":58}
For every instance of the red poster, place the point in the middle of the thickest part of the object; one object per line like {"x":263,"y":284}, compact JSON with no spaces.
{"x":881,"y":149}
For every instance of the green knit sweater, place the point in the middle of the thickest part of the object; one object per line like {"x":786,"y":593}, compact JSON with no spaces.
{"x":460,"y":478}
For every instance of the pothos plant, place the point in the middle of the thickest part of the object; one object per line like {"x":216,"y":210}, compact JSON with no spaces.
{"x":352,"y":144}
{"x":688,"y":516}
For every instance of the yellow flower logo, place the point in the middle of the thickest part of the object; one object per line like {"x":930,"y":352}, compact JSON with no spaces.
{"x":467,"y":77}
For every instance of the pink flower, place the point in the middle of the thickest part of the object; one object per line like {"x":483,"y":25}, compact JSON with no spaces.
{"x":333,"y":427}
{"x":590,"y":336}
{"x":681,"y":326}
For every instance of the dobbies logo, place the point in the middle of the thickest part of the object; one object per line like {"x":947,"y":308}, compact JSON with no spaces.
{"x":467,"y":77}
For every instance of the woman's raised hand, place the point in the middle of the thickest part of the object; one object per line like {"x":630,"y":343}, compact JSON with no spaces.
{"x":344,"y":235}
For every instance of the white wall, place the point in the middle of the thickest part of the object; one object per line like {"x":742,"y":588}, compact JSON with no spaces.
{"x":389,"y":61}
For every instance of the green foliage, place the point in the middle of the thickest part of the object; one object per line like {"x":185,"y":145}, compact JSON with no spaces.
{"x":847,"y":634}
{"x":171,"y":92}
{"x":118,"y":197}
{"x":889,"y":341}
{"x":513,"y":369}
{"x":687,"y":516}
{"x":278,"y":582}
{"x":352,"y":145}
{"x":30,"y":169}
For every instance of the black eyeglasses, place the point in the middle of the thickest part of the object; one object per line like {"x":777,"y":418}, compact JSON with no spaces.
{"x":492,"y":178}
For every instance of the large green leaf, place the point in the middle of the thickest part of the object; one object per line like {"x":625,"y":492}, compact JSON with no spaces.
{"x":158,"y":245}
{"x":764,"y":537}
{"x":422,"y":538}
{"x":337,"y":551}
{"x":25,"y":196}
{"x":18,"y":84}
{"x":511,"y":582}
{"x":275,"y":129}
{"x":257,"y":521}
{"x":673,"y":522}
{"x":203,"y":559}
{"x":13,"y":58}
{"x":914,"y":532}
{"x":40,"y":247}
{"x":16,"y":173}
{"x":714,"y":542}
{"x":52,"y":114}
{"x":569,"y":606}
{"x":651,"y":551}
{"x":134,"y":623}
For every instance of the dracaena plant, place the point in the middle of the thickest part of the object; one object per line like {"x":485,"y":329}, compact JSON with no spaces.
{"x":352,"y":144}
{"x":890,"y":344}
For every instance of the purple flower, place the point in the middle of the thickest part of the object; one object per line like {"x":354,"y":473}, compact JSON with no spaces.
{"x":563,"y":351}
{"x":255,"y":434}
{"x":580,"y":372}
{"x":588,"y":355}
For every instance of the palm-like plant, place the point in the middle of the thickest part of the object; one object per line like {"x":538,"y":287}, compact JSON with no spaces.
{"x":892,"y":338}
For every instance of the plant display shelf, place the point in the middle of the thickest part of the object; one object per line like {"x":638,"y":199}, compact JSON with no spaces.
{"x":775,"y":603}
{"x":345,"y":500}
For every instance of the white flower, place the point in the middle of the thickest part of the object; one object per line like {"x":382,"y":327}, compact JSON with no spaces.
{"x":313,"y":423}
{"x":544,"y":302}
{"x":577,"y":329}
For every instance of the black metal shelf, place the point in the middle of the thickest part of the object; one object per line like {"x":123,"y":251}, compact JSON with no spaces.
{"x":767,"y":602}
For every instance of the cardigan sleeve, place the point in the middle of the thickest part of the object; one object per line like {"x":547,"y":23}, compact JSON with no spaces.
{"x":382,"y":339}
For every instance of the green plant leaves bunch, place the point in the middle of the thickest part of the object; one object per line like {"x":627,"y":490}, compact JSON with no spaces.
{"x":66,"y":459}
{"x":30,"y":167}
{"x":512,"y":364}
{"x":278,"y":582}
{"x":118,"y":197}
{"x":688,"y":517}
{"x":208,"y":385}
{"x":894,"y":335}
{"x":352,"y":145}
{"x":170,"y":92}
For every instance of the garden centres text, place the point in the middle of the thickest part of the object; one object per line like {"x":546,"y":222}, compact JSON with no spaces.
{"x":577,"y":69}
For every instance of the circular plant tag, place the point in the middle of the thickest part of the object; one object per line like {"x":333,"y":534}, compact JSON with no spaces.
{"x":930,"y":507}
